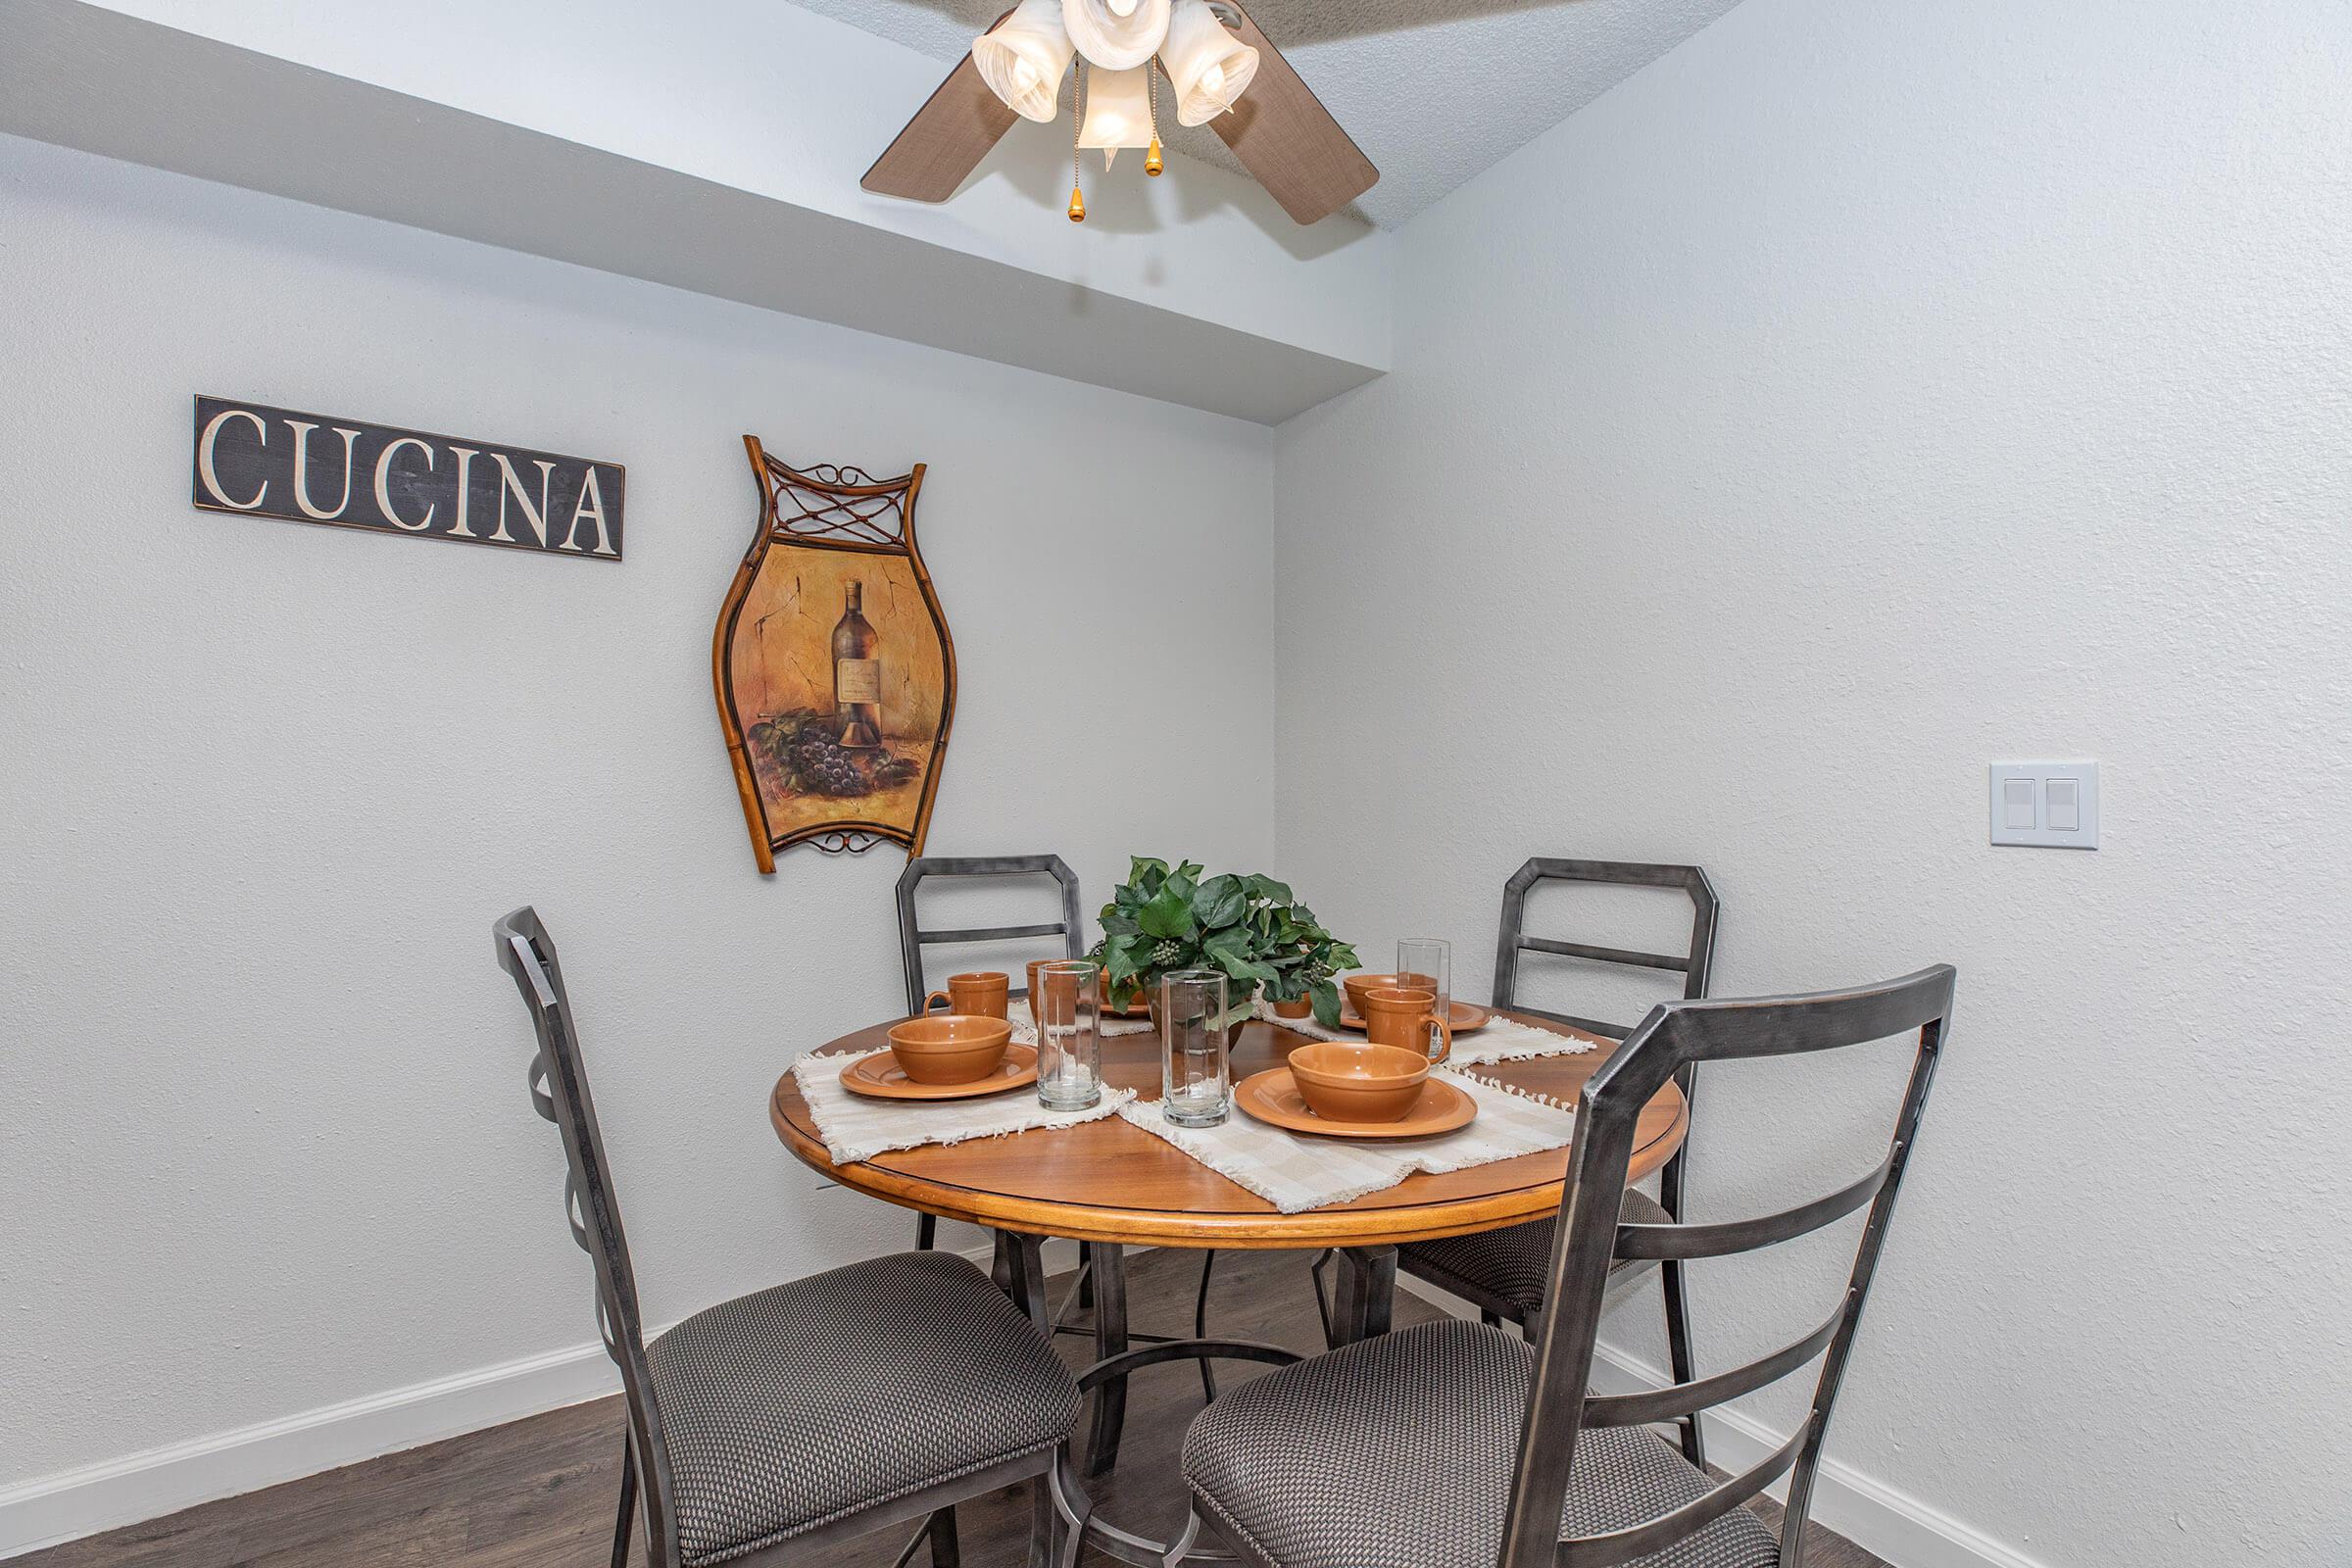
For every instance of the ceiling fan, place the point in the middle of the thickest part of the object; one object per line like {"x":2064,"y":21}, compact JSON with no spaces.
{"x":1219,"y":68}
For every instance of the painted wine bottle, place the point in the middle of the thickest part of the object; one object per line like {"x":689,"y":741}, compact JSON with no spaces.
{"x":858,"y":675}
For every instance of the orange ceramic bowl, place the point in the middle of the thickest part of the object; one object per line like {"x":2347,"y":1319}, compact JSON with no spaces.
{"x":1344,"y":1081}
{"x":1355,"y":985}
{"x":950,"y":1048}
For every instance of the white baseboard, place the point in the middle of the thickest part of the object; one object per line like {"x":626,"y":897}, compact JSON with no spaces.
{"x":59,"y":1507}
{"x":1888,"y":1523}
{"x":1884,"y":1522}
{"x":52,"y":1509}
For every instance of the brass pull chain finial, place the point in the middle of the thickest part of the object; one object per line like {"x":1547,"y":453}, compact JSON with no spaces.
{"x":1153,"y":162}
{"x":1077,"y":129}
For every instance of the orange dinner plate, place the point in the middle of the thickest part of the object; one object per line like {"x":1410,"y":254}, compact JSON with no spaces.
{"x":879,"y":1076}
{"x":1272,"y":1097}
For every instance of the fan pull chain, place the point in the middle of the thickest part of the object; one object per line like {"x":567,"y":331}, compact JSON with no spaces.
{"x":1153,"y":162}
{"x":1077,"y":129}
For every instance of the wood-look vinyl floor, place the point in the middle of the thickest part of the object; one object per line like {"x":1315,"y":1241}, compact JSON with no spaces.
{"x":540,"y":1493}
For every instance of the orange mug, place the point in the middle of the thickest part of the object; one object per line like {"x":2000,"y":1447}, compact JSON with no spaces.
{"x":1406,"y":1017}
{"x":982,"y":995}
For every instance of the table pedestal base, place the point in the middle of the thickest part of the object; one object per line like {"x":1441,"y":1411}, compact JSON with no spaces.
{"x":1076,"y":1510}
{"x":1366,"y":1289}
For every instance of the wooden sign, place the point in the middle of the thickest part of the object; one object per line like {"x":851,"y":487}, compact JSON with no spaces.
{"x":311,"y":468}
{"x":835,"y":675}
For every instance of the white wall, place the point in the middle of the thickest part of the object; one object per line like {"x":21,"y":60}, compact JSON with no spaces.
{"x":1866,"y":392}
{"x":265,"y":786}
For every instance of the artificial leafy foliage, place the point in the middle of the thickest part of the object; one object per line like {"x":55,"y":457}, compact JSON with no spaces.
{"x":1165,"y":918}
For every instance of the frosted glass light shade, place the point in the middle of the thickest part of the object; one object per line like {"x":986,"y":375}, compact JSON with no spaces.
{"x":1113,"y":39}
{"x":1207,"y":65}
{"x":1024,"y":58}
{"x":1117,"y":113}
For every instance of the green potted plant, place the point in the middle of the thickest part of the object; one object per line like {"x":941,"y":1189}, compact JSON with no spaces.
{"x":1305,"y":958}
{"x":1164,"y":918}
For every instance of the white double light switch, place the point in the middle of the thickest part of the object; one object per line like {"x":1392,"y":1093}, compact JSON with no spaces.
{"x":2049,"y":806}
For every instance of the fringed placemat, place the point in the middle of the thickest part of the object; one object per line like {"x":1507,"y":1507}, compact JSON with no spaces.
{"x":1295,"y":1171}
{"x":858,"y":1127}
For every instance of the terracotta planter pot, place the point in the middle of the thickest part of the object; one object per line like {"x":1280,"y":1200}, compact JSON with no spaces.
{"x":1109,"y":1011}
{"x":1303,"y":1008}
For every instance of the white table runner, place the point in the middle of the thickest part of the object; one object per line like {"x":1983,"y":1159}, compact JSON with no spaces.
{"x":1296,"y":1172}
{"x":858,"y":1127}
{"x":1503,"y":1040}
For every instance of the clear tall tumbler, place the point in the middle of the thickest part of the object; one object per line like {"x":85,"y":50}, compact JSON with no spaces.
{"x":1195,"y":1085}
{"x":1070,"y":1050}
{"x":1427,"y":963}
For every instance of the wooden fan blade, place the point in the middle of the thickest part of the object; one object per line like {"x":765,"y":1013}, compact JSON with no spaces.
{"x":945,"y":142}
{"x":1283,"y":135}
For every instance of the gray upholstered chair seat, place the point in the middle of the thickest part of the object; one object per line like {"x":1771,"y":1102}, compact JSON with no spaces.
{"x":807,"y":1402}
{"x":1397,"y":1452}
{"x":1511,"y":1264}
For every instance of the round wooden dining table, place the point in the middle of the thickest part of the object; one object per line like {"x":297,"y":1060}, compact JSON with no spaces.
{"x":1107,"y":1181}
{"x":1111,"y":1184}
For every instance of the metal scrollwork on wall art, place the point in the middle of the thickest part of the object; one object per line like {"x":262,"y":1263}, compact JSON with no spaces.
{"x":834,"y":670}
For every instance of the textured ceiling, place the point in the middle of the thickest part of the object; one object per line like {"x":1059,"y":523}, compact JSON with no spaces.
{"x":1432,"y":90}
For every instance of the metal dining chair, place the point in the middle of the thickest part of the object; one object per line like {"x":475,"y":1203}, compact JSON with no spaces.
{"x":777,"y":1424}
{"x":1458,"y":1443}
{"x":914,"y":939}
{"x":1101,"y":1282}
{"x":1503,"y":1271}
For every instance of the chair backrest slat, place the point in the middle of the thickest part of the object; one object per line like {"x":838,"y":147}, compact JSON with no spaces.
{"x":1668,"y":1044}
{"x":1701,"y":1393}
{"x":1726,"y":1236}
{"x":1679,"y":964}
{"x":559,"y":1085}
{"x":914,"y":939}
{"x":993,"y":933}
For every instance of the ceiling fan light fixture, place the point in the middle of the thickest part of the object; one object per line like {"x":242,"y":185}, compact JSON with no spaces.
{"x":1118,"y":111}
{"x":1215,"y":57}
{"x":1116,"y":40}
{"x":1207,"y":65}
{"x":1024,"y":58}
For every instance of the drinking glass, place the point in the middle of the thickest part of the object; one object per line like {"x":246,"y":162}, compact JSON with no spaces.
{"x":1428,"y":962}
{"x":1195,"y":1089}
{"x":1069,"y":1051}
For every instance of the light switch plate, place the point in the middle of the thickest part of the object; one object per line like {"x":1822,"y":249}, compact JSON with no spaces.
{"x":2049,"y":805}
